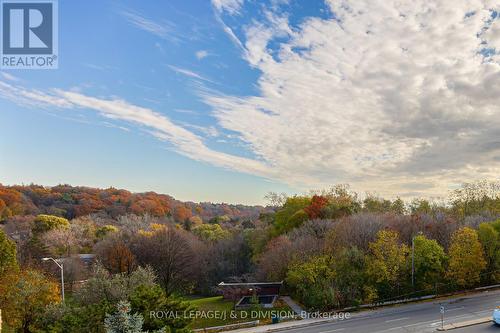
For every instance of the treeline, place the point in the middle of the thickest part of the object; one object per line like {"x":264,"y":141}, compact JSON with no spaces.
{"x":72,"y":202}
{"x":333,"y":249}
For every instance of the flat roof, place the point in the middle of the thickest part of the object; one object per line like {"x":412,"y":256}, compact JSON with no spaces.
{"x":250,"y":284}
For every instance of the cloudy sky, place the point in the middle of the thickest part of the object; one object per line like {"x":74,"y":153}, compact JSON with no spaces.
{"x":229,"y":99}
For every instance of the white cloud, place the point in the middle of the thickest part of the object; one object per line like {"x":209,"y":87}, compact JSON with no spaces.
{"x":230,"y":6}
{"x":229,"y":32}
{"x":201,"y":54}
{"x":10,"y":77}
{"x":389,"y":93}
{"x":183,"y":141}
{"x":164,"y":30}
{"x":387,"y":96}
{"x":188,"y":73}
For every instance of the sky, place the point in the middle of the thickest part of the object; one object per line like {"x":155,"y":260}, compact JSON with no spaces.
{"x":226,"y":100}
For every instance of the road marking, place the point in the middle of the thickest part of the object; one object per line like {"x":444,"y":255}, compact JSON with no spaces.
{"x":454,"y":309}
{"x":390,"y":329}
{"x":398,"y":319}
{"x":338,"y":329}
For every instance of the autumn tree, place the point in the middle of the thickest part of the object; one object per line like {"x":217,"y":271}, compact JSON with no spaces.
{"x":7,"y":253}
{"x":387,"y":262}
{"x":211,"y":232}
{"x":466,"y":258}
{"x":272,"y":264}
{"x":116,"y":256}
{"x":356,"y":230}
{"x":315,"y":209}
{"x":101,"y":232}
{"x":45,"y":223}
{"x":11,"y":202}
{"x":60,"y":241}
{"x":24,"y":295}
{"x":341,"y":202}
{"x":182,"y":213}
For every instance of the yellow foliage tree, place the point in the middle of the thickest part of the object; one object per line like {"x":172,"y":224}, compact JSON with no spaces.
{"x":24,"y":295}
{"x":466,"y":258}
{"x":387,"y":262}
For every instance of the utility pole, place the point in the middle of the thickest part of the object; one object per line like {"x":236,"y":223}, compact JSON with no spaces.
{"x":413,"y":259}
{"x":413,"y":262}
{"x":442,"y":310}
{"x":61,"y":266}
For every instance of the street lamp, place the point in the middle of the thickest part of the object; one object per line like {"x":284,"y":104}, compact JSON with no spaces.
{"x":61,"y":266}
{"x":413,"y":259}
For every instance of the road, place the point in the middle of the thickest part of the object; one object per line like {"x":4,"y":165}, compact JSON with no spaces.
{"x":421,"y":317}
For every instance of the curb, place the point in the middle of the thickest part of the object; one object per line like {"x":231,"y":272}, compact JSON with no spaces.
{"x":299,"y":325}
{"x":467,"y":323}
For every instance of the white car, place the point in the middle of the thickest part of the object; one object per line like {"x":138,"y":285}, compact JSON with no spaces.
{"x":496,"y":316}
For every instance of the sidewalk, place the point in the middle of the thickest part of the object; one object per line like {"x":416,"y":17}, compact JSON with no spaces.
{"x":281,"y":326}
{"x":294,"y":306}
{"x":465,"y":324}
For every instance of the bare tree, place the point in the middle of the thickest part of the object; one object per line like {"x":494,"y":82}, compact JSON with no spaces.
{"x":170,"y":252}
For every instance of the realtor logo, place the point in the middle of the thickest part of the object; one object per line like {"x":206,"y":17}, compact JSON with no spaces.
{"x":29,"y":34}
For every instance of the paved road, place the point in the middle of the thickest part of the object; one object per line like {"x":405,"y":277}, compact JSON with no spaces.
{"x":423,"y":317}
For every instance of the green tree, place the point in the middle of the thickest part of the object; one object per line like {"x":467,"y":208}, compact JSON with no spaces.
{"x":211,"y":232}
{"x":350,"y":277}
{"x":312,"y":282}
{"x":489,"y":238}
{"x":7,"y":253}
{"x":476,"y":198}
{"x":429,"y":262}
{"x":376,"y":205}
{"x":87,"y":309}
{"x":145,"y":299}
{"x":466,"y":258}
{"x":496,"y":225}
{"x":291,"y":215}
{"x":101,"y":232}
{"x":123,"y":321}
{"x":419,"y":206}
{"x":398,"y":206}
{"x":387,"y":263}
{"x":45,"y":223}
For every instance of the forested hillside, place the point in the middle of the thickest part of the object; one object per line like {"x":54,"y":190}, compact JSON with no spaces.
{"x":71,"y":202}
{"x":332,"y":249}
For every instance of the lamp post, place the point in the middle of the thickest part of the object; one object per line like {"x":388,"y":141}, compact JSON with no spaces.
{"x":413,"y":259}
{"x":61,"y":266}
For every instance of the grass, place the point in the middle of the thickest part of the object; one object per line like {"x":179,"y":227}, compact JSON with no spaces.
{"x":212,"y":305}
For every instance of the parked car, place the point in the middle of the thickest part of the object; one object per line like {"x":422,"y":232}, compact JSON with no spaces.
{"x":496,"y":315}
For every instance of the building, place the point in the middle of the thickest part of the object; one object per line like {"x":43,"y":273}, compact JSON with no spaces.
{"x":243,"y":293}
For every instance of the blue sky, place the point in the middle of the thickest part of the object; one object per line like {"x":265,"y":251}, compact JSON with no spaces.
{"x":104,"y":52}
{"x":230,"y":99}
